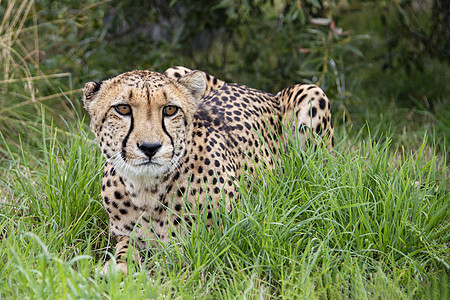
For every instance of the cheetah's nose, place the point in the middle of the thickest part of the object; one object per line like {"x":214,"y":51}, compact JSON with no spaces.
{"x":149,"y":149}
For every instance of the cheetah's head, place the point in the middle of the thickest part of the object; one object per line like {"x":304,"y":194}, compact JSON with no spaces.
{"x":143,"y":119}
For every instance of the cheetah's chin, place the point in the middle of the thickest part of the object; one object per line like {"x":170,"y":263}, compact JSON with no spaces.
{"x":145,"y":171}
{"x":141,"y":171}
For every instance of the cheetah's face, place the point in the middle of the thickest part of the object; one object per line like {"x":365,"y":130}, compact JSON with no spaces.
{"x":143,"y":119}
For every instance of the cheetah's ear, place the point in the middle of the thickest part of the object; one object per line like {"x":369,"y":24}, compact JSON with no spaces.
{"x":195,"y":82}
{"x":90,"y":90}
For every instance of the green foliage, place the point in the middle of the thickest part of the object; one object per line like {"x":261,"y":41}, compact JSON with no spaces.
{"x":398,"y":62}
{"x":371,"y":222}
{"x":24,"y":84}
{"x":56,"y":193}
{"x":233,"y":39}
{"x":416,"y":30}
{"x":357,"y":225}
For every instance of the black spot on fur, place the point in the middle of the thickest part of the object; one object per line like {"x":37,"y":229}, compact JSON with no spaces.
{"x":181,"y":191}
{"x":322,"y":103}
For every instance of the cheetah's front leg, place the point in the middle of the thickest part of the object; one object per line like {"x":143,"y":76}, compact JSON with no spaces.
{"x":121,"y":221}
{"x":121,"y":256}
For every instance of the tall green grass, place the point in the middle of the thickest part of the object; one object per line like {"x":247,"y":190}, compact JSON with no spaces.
{"x":370,"y":221}
{"x":350,"y":225}
{"x":25,"y":86}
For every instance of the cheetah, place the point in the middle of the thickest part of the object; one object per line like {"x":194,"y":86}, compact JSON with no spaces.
{"x":177,"y":140}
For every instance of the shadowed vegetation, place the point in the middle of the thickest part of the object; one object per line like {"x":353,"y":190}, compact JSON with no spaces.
{"x":369,"y":221}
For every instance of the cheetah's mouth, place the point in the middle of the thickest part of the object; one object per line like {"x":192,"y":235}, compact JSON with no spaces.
{"x":149,"y":163}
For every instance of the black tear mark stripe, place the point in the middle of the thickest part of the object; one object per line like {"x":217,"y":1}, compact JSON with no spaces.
{"x":171,"y":140}
{"x":125,"y":140}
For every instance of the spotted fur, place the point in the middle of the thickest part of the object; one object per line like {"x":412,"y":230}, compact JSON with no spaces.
{"x":161,"y":168}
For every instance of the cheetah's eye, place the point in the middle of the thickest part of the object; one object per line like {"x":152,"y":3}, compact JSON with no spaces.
{"x":123,"y":109}
{"x":170,"y":110}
